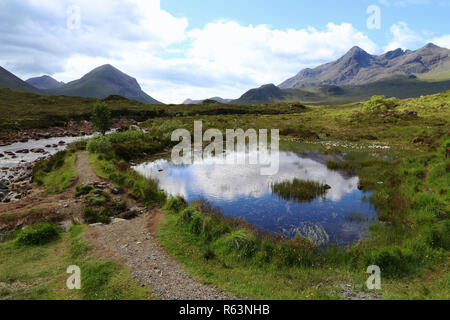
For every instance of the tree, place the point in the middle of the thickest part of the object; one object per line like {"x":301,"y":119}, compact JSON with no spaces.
{"x":101,"y":117}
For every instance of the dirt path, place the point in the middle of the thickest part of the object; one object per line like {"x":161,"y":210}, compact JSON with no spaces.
{"x":133,"y":243}
{"x":136,"y":246}
{"x":85,"y":173}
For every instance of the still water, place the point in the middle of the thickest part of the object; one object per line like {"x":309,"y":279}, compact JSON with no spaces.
{"x":341,"y":216}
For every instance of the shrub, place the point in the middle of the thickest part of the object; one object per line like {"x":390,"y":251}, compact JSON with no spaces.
{"x":78,"y":145}
{"x":392,"y":261}
{"x":37,"y":234}
{"x":99,"y":144}
{"x":297,"y":251}
{"x":380,"y":104}
{"x":187,"y":214}
{"x":213,"y":228}
{"x":82,"y":190}
{"x":92,"y":216}
{"x":242,"y":241}
{"x":196,"y":223}
{"x":439,"y":235}
{"x":125,"y":136}
{"x":175,"y":205}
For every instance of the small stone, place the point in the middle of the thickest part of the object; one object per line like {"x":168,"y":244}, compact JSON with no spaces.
{"x":118,"y":220}
{"x":98,"y":224}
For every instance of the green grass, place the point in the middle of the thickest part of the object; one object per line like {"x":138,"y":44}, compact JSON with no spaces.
{"x":39,"y":272}
{"x":38,"y":111}
{"x":119,"y":172}
{"x":301,"y":191}
{"x":56,"y":173}
{"x":410,"y":194}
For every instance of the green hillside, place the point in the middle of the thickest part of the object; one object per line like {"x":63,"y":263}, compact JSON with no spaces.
{"x":9,"y":80}
{"x":329,"y":94}
{"x":103,"y":82}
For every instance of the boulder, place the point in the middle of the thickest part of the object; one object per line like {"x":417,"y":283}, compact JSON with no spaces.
{"x":37,"y":150}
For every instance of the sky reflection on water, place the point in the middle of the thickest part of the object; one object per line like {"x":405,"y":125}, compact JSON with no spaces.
{"x":241,"y":191}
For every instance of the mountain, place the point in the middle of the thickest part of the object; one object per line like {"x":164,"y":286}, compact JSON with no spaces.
{"x":9,"y":80}
{"x":103,"y":82}
{"x":357,"y":67}
{"x":400,"y":87}
{"x":44,"y":82}
{"x":218,"y":99}
{"x":268,"y":93}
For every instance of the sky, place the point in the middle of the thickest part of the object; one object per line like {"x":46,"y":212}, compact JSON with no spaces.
{"x":179,"y":49}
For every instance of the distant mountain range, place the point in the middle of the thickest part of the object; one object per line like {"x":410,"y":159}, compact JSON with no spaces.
{"x":44,"y":83}
{"x":358,"y":67}
{"x":99,"y":83}
{"x":359,"y":75}
{"x":218,"y":99}
{"x":356,"y":76}
{"x":9,"y":80}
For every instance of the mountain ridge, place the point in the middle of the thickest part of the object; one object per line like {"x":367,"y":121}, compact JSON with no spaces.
{"x":44,"y":82}
{"x":357,"y":67}
{"x":102,"y":82}
{"x":218,"y":99}
{"x":11,"y":81}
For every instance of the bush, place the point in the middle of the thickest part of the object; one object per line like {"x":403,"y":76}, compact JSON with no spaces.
{"x":392,"y":261}
{"x":175,"y":205}
{"x":213,"y":228}
{"x":187,"y":214}
{"x":196,"y":224}
{"x":242,"y":241}
{"x":82,"y":190}
{"x":38,"y":234}
{"x":380,"y":104}
{"x":297,"y":251}
{"x":99,"y":144}
{"x":92,"y":216}
{"x":79,"y":145}
{"x":439,"y":235}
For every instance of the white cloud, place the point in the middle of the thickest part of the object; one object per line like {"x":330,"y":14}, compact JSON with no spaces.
{"x":403,"y":37}
{"x":442,"y":41}
{"x":169,"y":61}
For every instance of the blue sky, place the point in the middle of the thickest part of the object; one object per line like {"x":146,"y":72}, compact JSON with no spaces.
{"x":180,"y":49}
{"x":426,"y":16}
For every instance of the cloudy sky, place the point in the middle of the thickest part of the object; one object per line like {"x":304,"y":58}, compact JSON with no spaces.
{"x":180,"y":49}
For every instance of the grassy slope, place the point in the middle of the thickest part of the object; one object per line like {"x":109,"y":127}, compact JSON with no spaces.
{"x":411,"y":201}
{"x":400,"y":88}
{"x":39,"y":273}
{"x":56,"y":181}
{"x":9,"y":80}
{"x":38,"y":111}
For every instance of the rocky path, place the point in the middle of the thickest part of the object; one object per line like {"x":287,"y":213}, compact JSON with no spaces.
{"x":133,"y":243}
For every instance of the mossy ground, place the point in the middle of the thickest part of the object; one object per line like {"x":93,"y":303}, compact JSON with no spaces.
{"x":39,"y":272}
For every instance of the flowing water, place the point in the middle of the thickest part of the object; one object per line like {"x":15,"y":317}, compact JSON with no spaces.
{"x":341,"y":216}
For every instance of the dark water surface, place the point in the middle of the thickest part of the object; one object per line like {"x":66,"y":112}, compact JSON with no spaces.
{"x":341,"y":216}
